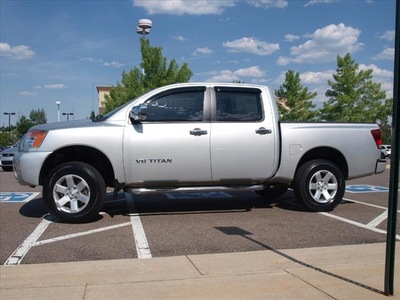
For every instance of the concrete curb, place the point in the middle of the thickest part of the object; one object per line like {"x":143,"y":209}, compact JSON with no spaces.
{"x":338,"y":272}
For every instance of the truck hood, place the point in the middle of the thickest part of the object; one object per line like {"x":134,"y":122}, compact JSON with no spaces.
{"x":66,"y":124}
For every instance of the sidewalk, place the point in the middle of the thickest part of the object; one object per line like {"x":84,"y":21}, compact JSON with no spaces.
{"x":339,"y":272}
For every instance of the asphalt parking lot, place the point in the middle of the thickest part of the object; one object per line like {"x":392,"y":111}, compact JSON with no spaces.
{"x":172,"y":224}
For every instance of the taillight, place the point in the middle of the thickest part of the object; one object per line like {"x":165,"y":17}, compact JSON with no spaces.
{"x":376,"y":133}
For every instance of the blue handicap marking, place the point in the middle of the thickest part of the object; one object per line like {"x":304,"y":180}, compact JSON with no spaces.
{"x":17,"y":197}
{"x":366,"y":188}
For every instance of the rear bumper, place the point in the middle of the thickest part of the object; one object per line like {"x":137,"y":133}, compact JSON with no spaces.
{"x":380,"y":166}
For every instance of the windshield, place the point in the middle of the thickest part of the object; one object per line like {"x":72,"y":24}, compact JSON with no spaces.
{"x":100,"y":118}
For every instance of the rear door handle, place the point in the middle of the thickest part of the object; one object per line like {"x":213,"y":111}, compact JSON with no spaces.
{"x":263,"y":131}
{"x":198,"y":132}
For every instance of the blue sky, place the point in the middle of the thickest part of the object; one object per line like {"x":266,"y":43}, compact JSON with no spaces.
{"x":61,"y":50}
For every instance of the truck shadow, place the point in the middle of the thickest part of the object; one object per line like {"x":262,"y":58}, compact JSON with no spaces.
{"x":198,"y":203}
{"x":34,"y":209}
{"x":178,"y":203}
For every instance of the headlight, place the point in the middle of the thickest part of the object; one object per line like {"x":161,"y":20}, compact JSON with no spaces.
{"x":33,"y":139}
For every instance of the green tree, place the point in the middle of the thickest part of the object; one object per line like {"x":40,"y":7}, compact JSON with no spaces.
{"x":23,"y":125}
{"x":354,"y":97}
{"x":4,"y":137}
{"x":295,"y":101}
{"x":154,"y":72}
{"x":36,"y":117}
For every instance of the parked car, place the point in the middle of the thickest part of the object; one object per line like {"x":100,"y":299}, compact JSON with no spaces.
{"x":386,"y":151}
{"x":7,"y":156}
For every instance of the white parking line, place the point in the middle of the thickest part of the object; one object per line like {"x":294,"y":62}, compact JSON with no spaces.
{"x":378,"y":220}
{"x":371,"y":225}
{"x":142,"y":246}
{"x":78,"y":234}
{"x":18,"y":255}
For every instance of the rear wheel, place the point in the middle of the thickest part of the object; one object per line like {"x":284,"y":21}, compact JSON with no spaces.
{"x":74,"y":192}
{"x":320,"y":185}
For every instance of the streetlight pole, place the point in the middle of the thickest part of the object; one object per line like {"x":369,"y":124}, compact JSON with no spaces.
{"x":58,"y":110}
{"x":143,"y":28}
{"x":9,"y":125}
{"x":68,"y":114}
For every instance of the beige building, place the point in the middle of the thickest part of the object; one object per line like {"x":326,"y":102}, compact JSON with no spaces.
{"x":102,"y":90}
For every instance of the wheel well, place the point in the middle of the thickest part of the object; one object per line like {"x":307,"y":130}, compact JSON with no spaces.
{"x":89,"y":155}
{"x":327,"y":153}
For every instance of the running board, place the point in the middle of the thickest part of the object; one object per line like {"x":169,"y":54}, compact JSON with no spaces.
{"x":257,"y":187}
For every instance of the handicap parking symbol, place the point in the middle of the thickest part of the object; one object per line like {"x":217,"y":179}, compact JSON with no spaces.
{"x":17,"y":197}
{"x":365,"y":188}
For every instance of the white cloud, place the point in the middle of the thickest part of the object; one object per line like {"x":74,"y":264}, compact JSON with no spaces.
{"x":113,"y":64}
{"x":325,"y":44}
{"x":291,"y":37}
{"x":283,"y":61}
{"x":27,"y":94}
{"x":269,"y":3}
{"x":251,"y":45}
{"x":224,"y":76}
{"x":229,"y":76}
{"x":314,"y":2}
{"x":316,"y":77}
{"x":179,"y":38}
{"x":204,"y":50}
{"x":16,"y":52}
{"x":382,"y":76}
{"x":102,"y":62}
{"x":388,"y":35}
{"x":55,"y":86}
{"x":182,"y":7}
{"x":253,"y":71}
{"x":90,"y":59}
{"x":377,"y":72}
{"x":387,"y":53}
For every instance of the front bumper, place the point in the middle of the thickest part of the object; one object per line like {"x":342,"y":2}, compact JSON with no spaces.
{"x":27,"y":167}
{"x":380,"y":166}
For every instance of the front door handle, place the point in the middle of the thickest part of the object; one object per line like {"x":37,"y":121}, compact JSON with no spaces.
{"x":198,"y":132}
{"x":263,"y":131}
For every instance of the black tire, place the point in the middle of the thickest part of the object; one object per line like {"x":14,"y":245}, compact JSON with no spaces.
{"x":273,"y":191}
{"x":74,"y":192}
{"x":320,"y":185}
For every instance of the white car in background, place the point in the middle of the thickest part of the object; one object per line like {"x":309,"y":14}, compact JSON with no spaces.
{"x":7,"y":156}
{"x":386,"y":151}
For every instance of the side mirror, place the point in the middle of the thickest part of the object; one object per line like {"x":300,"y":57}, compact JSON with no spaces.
{"x":138,"y":113}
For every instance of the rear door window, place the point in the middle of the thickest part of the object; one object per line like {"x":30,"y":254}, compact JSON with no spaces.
{"x":238,"y":105}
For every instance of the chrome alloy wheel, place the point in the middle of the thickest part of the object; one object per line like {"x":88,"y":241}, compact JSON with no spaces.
{"x":71,"y":193}
{"x":323,"y":186}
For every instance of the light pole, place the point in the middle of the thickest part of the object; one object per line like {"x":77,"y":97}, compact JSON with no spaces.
{"x":9,"y":125}
{"x":143,"y":28}
{"x":68,"y":114}
{"x":58,"y":110}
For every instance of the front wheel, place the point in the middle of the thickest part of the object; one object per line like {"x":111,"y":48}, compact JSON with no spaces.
{"x":74,"y":192}
{"x":320,"y":185}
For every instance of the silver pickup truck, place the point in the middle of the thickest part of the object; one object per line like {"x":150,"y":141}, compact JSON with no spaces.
{"x":195,"y":136}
